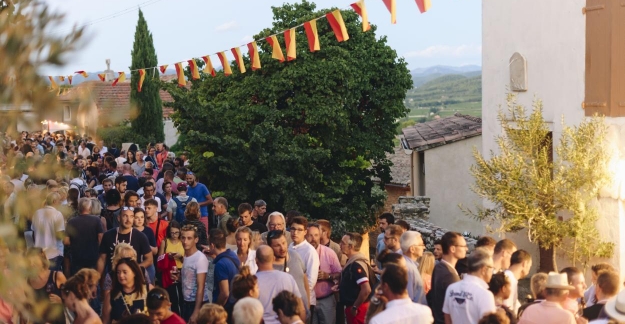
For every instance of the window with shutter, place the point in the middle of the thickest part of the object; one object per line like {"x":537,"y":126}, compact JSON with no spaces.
{"x":598,"y":54}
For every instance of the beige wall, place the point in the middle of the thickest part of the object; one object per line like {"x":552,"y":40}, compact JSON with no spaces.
{"x":171,"y":133}
{"x":447,"y":181}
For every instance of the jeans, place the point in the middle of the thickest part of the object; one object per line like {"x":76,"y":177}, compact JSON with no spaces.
{"x":151,"y":273}
{"x":187,"y":310}
{"x":325,"y":311}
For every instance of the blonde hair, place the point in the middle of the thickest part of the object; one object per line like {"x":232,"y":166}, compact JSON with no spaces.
{"x":212,"y":314}
{"x":119,"y":254}
{"x":193,"y":210}
{"x":426,"y":263}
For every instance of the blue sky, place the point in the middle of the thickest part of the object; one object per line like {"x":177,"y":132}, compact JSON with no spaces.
{"x":449,"y":34}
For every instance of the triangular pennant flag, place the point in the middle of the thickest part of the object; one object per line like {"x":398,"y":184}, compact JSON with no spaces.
{"x":61,"y":78}
{"x":390,"y":5}
{"x":195,"y":71}
{"x":180,"y":73}
{"x":224,"y":62}
{"x":141,"y":79}
{"x":83,"y":73}
{"x":69,"y":78}
{"x":338,"y":26}
{"x":424,"y":5}
{"x":163,"y":68}
{"x":276,"y":51}
{"x":120,"y":78}
{"x":209,"y":66}
{"x":289,"y":40}
{"x":53,"y":83}
{"x":254,"y":57}
{"x":311,"y":33}
{"x":238,"y":58}
{"x":361,"y":10}
{"x":102,"y":76}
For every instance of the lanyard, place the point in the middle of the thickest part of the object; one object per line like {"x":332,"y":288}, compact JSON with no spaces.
{"x":117,"y":236}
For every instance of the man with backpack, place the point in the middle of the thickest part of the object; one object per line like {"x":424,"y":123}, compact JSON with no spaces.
{"x":227,"y":266}
{"x":357,"y":280}
{"x":179,"y":203}
{"x":77,"y":182}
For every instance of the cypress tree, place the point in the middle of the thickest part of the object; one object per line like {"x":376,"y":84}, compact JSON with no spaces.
{"x":148,"y":125}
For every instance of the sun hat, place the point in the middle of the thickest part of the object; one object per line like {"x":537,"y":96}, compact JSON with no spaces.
{"x":615,"y":307}
{"x":558,"y":281}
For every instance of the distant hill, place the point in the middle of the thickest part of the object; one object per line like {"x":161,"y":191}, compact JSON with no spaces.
{"x":421,"y":76}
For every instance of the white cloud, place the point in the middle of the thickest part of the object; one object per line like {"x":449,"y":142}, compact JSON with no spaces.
{"x":465,"y":50}
{"x":247,"y":39}
{"x":232,"y":25}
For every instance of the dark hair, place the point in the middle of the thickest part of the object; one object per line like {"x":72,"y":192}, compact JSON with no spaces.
{"x":395,"y":230}
{"x":448,"y":240}
{"x":403,"y":224}
{"x":112,"y":197}
{"x":243,"y":282}
{"x":494,"y":318}
{"x":244,"y":207}
{"x":497,"y":282}
{"x":274,"y":235}
{"x":520,"y":256}
{"x":148,"y":184}
{"x":232,"y":224}
{"x":290,"y":215}
{"x":157,"y":297}
{"x":388,"y":217}
{"x":395,"y":277}
{"x":94,"y":171}
{"x":608,"y":281}
{"x":113,"y":164}
{"x":217,"y":238}
{"x":570,"y":272}
{"x":602,"y":266}
{"x":128,"y":194}
{"x":485,"y":241}
{"x":136,"y":269}
{"x":135,"y":318}
{"x":504,"y":244}
{"x":106,"y":180}
{"x":72,"y":197}
{"x":287,"y":302}
{"x":300,"y":220}
{"x":151,"y":202}
{"x":120,"y":180}
{"x":173,"y":224}
{"x":386,"y":256}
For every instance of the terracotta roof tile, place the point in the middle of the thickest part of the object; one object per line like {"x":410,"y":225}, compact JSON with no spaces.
{"x":437,"y":132}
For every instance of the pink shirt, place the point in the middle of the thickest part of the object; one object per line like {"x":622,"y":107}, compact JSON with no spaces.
{"x":546,"y":313}
{"x":328,"y":263}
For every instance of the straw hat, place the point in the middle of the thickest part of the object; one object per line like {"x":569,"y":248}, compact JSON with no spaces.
{"x":615,"y":307}
{"x":558,"y":281}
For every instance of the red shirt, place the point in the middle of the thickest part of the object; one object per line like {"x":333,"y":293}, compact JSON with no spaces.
{"x":162,"y":230}
{"x":173,"y":319}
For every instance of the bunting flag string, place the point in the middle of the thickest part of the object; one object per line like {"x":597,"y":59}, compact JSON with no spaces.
{"x":141,"y":79}
{"x":311,"y":33}
{"x":289,"y":40}
{"x":334,"y":18}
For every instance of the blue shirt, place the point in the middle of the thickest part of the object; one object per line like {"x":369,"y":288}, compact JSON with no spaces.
{"x":416,"y":289}
{"x":199,"y":192}
{"x":226,"y":267}
{"x":131,"y":183}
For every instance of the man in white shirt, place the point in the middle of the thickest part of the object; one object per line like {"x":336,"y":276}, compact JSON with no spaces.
{"x":307,"y":252}
{"x":520,"y":265}
{"x":399,"y":308}
{"x":469,"y":299}
{"x":83,"y":150}
{"x":193,"y":275}
{"x":103,"y":149}
{"x":48,"y":227}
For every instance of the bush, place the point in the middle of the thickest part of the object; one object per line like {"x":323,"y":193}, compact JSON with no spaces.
{"x":117,"y":135}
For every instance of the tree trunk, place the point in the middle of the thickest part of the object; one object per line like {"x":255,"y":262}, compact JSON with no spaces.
{"x":547,"y":260}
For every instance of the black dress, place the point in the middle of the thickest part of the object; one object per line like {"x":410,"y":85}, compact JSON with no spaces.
{"x":54,"y":312}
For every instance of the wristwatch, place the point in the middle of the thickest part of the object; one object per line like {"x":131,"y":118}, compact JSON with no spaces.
{"x":355,"y":309}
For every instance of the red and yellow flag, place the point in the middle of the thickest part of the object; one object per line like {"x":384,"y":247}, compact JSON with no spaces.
{"x":69,"y":78}
{"x":141,"y":79}
{"x":390,"y":5}
{"x":338,"y":26}
{"x":83,"y":73}
{"x":311,"y":33}
{"x":61,"y":78}
{"x":102,"y":76}
{"x":209,"y":66}
{"x":238,"y":58}
{"x":120,"y":78}
{"x":289,"y":40}
{"x":195,"y":71}
{"x":53,"y":83}
{"x":424,"y":5}
{"x":361,"y":10}
{"x":180,"y":73}
{"x":163,"y":68}
{"x":254,"y":57}
{"x":224,"y":62}
{"x":276,"y":51}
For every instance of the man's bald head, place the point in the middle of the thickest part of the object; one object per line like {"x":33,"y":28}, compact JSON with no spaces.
{"x":264,"y":255}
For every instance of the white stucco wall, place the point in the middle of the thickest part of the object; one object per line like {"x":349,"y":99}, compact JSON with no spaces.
{"x":551,"y":36}
{"x":171,"y":133}
{"x":447,"y":181}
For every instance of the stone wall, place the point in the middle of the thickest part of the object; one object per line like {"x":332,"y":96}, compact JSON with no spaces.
{"x":392,"y":195}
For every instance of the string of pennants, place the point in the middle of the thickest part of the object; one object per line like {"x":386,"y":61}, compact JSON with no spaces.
{"x":334,"y":18}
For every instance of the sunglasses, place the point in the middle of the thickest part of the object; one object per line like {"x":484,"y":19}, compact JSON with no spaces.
{"x":157,"y":295}
{"x":129,"y":208}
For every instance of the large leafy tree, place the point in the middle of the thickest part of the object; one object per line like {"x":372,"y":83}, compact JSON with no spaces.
{"x":149,"y":121}
{"x":308,"y":134}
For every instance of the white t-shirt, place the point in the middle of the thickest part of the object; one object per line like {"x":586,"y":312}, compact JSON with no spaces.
{"x":191,"y":266}
{"x":158,"y":200}
{"x":467,"y":300}
{"x":250,"y":261}
{"x":400,"y":311}
{"x":270,"y":284}
{"x":47,"y":222}
{"x":311,"y":259}
{"x":513,"y":301}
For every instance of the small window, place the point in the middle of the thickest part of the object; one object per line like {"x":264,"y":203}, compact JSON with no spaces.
{"x":67,"y":113}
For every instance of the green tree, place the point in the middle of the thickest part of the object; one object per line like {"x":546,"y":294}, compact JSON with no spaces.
{"x":148,"y":124}
{"x":548,"y":194}
{"x":309,"y":134}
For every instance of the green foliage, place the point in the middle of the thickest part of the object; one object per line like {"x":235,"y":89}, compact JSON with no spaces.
{"x":548,"y":194}
{"x":118,"y":135}
{"x":308,"y":134}
{"x":404,"y":124}
{"x":149,"y":121}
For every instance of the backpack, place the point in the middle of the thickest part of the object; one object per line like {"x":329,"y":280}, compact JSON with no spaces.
{"x":82,"y":187}
{"x":373,"y":279}
{"x":180,"y":208}
{"x":111,"y":217}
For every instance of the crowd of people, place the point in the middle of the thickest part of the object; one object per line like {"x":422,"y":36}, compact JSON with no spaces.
{"x":131,"y":236}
